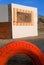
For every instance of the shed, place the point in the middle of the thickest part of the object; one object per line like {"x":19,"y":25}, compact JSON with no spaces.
{"x":18,"y":21}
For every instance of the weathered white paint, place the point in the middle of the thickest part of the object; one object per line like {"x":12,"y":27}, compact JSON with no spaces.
{"x":3,"y":13}
{"x":25,"y":31}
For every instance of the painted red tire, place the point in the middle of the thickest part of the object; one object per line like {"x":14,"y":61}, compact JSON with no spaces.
{"x":21,"y":47}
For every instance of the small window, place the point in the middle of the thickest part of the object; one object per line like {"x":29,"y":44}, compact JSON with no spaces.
{"x":23,"y":17}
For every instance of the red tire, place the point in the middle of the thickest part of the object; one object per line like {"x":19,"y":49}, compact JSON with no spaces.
{"x":21,"y":47}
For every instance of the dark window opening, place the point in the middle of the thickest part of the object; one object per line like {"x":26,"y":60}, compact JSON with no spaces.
{"x":23,"y":17}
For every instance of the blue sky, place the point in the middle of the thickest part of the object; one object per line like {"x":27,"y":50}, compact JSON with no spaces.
{"x":34,"y":3}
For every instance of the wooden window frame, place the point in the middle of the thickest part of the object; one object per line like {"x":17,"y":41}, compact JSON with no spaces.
{"x":15,"y":10}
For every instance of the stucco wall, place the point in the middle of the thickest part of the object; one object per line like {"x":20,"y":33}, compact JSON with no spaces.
{"x":3,"y":13}
{"x":25,"y":31}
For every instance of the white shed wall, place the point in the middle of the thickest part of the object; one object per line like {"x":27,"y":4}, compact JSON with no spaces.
{"x":25,"y":31}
